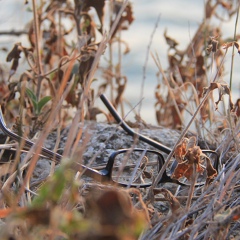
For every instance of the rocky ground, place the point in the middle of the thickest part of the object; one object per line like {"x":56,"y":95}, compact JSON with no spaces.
{"x":103,"y":139}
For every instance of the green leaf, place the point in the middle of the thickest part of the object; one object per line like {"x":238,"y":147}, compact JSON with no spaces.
{"x":31,"y":95}
{"x":33,"y":98}
{"x":43,"y":102}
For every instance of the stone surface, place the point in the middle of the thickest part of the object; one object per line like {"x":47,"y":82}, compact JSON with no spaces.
{"x":104,"y":139}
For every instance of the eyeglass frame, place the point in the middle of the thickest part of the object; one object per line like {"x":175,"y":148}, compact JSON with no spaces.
{"x":104,"y":175}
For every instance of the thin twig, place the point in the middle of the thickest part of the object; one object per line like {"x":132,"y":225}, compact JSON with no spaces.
{"x":158,"y":63}
{"x":146,"y":61}
{"x":79,"y":116}
{"x":37,"y":44}
{"x":14,"y":33}
{"x":159,"y":176}
{"x":35,"y":149}
{"x":234,"y":39}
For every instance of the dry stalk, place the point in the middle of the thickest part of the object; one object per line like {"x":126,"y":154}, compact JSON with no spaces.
{"x":37,"y":42}
{"x":234,"y":38}
{"x":58,"y":138}
{"x":146,"y":61}
{"x":158,"y":64}
{"x":51,"y":120}
{"x":79,"y":116}
{"x":187,"y":127}
{"x":186,"y":84}
{"x":192,"y":188}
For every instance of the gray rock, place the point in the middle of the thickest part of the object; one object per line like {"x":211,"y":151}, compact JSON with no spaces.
{"x":105,"y":139}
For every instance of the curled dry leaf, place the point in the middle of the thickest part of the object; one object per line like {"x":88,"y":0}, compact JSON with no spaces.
{"x":213,"y":45}
{"x":99,"y":7}
{"x":181,"y":150}
{"x":15,"y":52}
{"x":173,"y":202}
{"x":181,"y":170}
{"x":126,"y":18}
{"x":211,"y":171}
{"x":237,"y":107}
{"x":188,"y":155}
{"x":227,"y":45}
{"x":86,"y":60}
{"x":14,"y":56}
{"x":222,"y":89}
{"x":172,"y":43}
{"x":236,"y":44}
{"x":191,"y":142}
{"x":120,"y":90}
{"x":93,"y":112}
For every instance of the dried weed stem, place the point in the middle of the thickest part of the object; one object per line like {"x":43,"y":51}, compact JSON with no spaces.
{"x":159,"y":176}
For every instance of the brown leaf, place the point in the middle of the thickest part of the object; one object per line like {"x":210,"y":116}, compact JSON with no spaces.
{"x":211,"y":171}
{"x":86,"y":61}
{"x":191,"y":142}
{"x":181,"y":150}
{"x":212,"y":47}
{"x":180,"y":170}
{"x":7,"y":211}
{"x":200,"y":66}
{"x":126,"y":18}
{"x":236,"y":44}
{"x":237,"y":107}
{"x":222,"y":89}
{"x":15,"y":52}
{"x":93,"y":112}
{"x":114,"y":208}
{"x":235,"y":215}
{"x":193,"y":155}
{"x":172,"y":43}
{"x":120,"y":90}
{"x":14,"y":66}
{"x":31,"y":35}
{"x":226,"y":5}
{"x":99,"y":7}
{"x":187,"y":155}
{"x":190,"y":171}
{"x":31,"y":59}
{"x":173,"y":202}
{"x":227,"y":45}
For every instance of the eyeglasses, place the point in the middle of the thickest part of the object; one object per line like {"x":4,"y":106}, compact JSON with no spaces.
{"x":138,"y":167}
{"x":126,"y":167}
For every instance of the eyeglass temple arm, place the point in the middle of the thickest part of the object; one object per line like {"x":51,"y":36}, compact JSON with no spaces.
{"x":129,"y":130}
{"x":46,"y":152}
{"x":97,"y":175}
{"x":151,"y":142}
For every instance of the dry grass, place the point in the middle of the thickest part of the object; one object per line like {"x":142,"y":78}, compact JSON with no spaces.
{"x":56,"y":89}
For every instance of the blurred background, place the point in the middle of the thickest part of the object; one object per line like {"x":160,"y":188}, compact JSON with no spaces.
{"x":181,"y":20}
